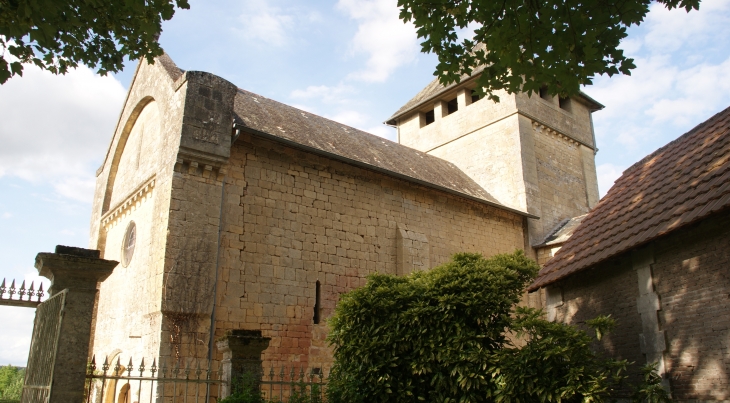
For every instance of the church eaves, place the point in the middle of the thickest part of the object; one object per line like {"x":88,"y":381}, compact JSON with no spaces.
{"x":276,"y":121}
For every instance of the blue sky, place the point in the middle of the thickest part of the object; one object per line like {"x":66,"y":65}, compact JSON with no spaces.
{"x":349,"y":60}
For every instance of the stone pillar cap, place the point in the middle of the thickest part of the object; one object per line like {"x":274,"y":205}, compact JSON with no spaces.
{"x":74,"y":268}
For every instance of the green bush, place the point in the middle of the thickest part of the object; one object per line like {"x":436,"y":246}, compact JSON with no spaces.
{"x":650,"y":390}
{"x":11,"y":382}
{"x":444,"y":336}
{"x":245,"y":390}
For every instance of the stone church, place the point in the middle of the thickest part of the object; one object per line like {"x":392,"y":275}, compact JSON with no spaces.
{"x":229,"y":210}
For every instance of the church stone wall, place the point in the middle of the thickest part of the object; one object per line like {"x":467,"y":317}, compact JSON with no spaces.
{"x":292,"y":219}
{"x":128,"y":317}
{"x":688,"y":277}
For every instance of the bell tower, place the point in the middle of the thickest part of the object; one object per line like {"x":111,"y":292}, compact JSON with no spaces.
{"x":532,"y":153}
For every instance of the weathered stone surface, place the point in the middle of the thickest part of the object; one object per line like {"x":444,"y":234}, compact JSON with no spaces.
{"x":75,"y":270}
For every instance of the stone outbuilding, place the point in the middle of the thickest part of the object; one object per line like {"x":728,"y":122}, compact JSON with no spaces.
{"x":655,"y":255}
{"x":228,"y":210}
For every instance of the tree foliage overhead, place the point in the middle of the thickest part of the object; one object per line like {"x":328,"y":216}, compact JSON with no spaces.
{"x":528,"y":44}
{"x":445,"y":335}
{"x":57,"y":35}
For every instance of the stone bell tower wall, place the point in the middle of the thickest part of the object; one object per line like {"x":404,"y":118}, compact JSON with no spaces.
{"x":532,"y":153}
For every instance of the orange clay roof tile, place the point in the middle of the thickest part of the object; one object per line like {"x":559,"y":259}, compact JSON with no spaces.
{"x":678,"y":184}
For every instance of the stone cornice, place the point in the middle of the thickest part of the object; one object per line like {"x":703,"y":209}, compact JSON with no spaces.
{"x":542,"y":128}
{"x":200,"y":166}
{"x":114,"y":215}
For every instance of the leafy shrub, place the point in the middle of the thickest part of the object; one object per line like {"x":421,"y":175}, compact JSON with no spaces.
{"x":245,"y":390}
{"x":650,"y":390}
{"x":556,"y":363}
{"x":442,"y":336}
{"x":11,"y":382}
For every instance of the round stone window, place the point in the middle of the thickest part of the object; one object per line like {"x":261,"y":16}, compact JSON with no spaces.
{"x":130,"y":239}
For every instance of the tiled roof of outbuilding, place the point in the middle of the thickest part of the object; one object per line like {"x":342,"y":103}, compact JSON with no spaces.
{"x":299,"y":128}
{"x":678,"y":184}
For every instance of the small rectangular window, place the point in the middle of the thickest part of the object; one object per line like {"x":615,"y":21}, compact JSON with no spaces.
{"x":565,"y":104}
{"x":452,"y":106}
{"x":430,"y":117}
{"x":474,"y":96}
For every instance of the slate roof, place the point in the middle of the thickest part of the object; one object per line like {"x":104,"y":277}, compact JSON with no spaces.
{"x":280,"y":122}
{"x":681,"y":183}
{"x":561,"y":232}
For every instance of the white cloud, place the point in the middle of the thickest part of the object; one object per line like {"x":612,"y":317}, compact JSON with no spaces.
{"x":388,"y":42}
{"x":682,"y":78}
{"x":383,"y":131}
{"x":57,"y":128}
{"x":350,"y":118}
{"x":326,"y":94}
{"x":362,"y":122}
{"x":670,"y":31}
{"x":607,"y":175}
{"x":697,"y":92}
{"x":7,"y":215}
{"x":264,"y":23}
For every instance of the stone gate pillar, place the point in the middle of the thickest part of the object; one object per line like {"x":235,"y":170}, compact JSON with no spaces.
{"x":241,"y":355}
{"x":78,"y":270}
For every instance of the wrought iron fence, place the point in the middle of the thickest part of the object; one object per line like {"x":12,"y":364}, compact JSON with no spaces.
{"x":24,"y":295}
{"x":43,"y":348}
{"x":299,"y":385}
{"x":164,"y":383}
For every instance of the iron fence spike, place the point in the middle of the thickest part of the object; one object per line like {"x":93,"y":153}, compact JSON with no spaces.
{"x":12,"y":289}
{"x":31,"y":291}
{"x":40,"y":292}
{"x":118,"y":367}
{"x":141,"y":368}
{"x":21,"y":291}
{"x":2,"y":288}
{"x":92,"y":365}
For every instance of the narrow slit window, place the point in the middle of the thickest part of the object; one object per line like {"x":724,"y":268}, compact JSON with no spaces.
{"x":430,"y":117}
{"x":474,"y":96}
{"x":544,"y":93}
{"x":565,"y":104}
{"x":317,"y":302}
{"x":452,"y":106}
